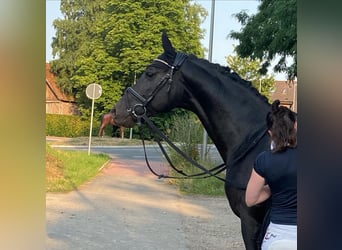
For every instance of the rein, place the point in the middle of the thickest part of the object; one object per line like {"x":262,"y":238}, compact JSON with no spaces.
{"x":210,"y":172}
{"x":213,"y":172}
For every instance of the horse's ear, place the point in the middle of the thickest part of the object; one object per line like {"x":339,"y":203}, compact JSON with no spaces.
{"x":167,"y":45}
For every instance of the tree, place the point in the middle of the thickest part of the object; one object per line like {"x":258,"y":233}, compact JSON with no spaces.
{"x":111,"y":41}
{"x":270,"y":33}
{"x":249,"y":69}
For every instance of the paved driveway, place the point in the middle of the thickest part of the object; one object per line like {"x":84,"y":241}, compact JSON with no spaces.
{"x":126,"y":207}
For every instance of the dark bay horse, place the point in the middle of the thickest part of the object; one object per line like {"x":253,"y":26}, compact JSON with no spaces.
{"x":107,"y":119}
{"x":231,"y":110}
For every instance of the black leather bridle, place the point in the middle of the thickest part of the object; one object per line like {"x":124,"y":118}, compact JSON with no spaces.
{"x":139,"y":109}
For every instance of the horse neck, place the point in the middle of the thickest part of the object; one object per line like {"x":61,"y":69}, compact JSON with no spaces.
{"x":229,"y":110}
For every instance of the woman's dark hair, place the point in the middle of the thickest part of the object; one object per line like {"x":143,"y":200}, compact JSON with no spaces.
{"x":280,"y":121}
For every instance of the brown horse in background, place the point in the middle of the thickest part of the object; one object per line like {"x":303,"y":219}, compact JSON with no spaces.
{"x":107,"y":119}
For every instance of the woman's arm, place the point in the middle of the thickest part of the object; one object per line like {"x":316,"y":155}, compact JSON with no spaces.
{"x":256,"y":191}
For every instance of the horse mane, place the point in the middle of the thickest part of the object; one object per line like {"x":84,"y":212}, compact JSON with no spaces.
{"x":227,"y":72}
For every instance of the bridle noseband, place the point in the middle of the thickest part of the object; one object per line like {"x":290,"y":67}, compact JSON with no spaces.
{"x":140,"y":109}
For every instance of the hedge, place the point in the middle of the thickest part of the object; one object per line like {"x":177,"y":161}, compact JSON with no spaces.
{"x":67,"y":126}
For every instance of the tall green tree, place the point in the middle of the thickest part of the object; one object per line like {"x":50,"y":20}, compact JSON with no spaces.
{"x":270,"y":33}
{"x":72,"y":36}
{"x":249,"y":69}
{"x":112,"y":41}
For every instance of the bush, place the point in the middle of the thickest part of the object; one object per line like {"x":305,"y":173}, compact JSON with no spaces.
{"x":188,"y":132}
{"x":67,"y":126}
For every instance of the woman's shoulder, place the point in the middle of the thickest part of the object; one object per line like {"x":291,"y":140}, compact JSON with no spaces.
{"x":291,"y":151}
{"x":264,"y":155}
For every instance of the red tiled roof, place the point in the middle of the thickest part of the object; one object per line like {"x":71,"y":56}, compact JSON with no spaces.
{"x":284,"y":91}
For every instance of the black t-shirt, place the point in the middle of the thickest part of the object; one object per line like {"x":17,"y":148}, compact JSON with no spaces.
{"x":280,"y":173}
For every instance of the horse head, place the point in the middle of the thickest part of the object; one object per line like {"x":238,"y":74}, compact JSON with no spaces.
{"x":155,"y":91}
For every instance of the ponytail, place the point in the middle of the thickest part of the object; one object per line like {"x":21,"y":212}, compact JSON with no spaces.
{"x":281,"y":122}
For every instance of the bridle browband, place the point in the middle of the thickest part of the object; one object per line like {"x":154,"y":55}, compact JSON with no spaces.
{"x":180,"y":58}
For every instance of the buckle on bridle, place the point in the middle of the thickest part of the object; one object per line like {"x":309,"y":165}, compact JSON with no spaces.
{"x":138,"y":110}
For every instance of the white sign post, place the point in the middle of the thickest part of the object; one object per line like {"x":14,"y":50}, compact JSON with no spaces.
{"x":93,"y":92}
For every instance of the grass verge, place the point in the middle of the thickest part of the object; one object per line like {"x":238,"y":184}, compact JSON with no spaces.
{"x":67,"y":170}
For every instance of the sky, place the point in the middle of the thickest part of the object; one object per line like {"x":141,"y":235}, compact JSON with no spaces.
{"x":224,"y":23}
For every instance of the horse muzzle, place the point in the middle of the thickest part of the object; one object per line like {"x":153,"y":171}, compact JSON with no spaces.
{"x":123,"y":117}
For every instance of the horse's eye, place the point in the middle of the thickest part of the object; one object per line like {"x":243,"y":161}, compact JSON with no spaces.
{"x":149,"y":73}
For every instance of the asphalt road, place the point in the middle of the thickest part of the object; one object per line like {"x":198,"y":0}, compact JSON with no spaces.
{"x":122,"y":152}
{"x":135,"y":152}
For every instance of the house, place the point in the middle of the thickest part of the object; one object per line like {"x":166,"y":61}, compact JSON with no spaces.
{"x":56,"y":101}
{"x":286,"y":93}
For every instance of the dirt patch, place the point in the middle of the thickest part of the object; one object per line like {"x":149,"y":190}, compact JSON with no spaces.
{"x":53,"y":168}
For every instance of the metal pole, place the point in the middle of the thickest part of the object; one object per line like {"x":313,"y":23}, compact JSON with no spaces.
{"x":130,"y":133}
{"x":210,"y":56}
{"x":294,"y":108}
{"x":131,"y":129}
{"x":91,"y":120}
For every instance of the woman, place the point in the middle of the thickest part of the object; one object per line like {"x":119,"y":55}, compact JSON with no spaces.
{"x":275,"y":175}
